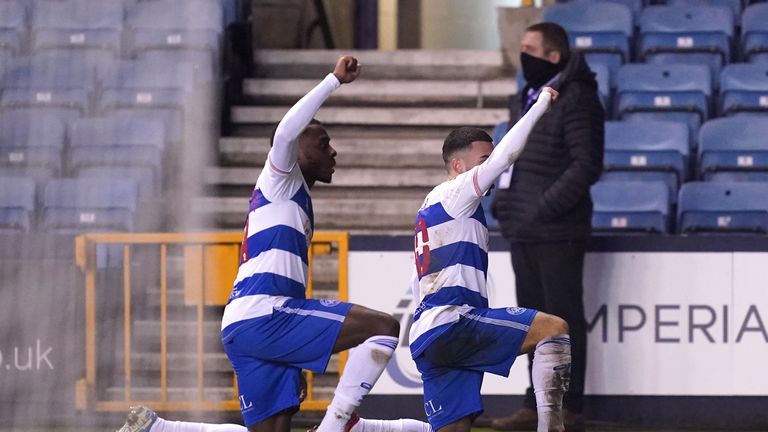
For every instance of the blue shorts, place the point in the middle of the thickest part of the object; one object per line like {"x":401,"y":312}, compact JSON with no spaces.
{"x":452,"y":366}
{"x":268,"y":354}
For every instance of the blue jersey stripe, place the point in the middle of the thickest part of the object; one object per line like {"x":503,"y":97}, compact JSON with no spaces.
{"x":302,"y":198}
{"x":479,"y":215}
{"x":461,"y":252}
{"x":434,"y":215}
{"x":258,"y":200}
{"x":280,"y":237}
{"x":269,"y":284}
{"x":453,"y":295}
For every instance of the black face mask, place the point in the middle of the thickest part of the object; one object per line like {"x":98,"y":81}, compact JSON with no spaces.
{"x":536,"y":71}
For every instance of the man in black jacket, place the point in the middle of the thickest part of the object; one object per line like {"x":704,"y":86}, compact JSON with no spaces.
{"x":544,"y":206}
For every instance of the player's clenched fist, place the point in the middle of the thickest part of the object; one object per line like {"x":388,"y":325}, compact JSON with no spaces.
{"x":552,"y":92}
{"x":347,"y":69}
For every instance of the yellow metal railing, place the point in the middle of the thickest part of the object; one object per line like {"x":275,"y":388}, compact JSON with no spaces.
{"x":210,"y":262}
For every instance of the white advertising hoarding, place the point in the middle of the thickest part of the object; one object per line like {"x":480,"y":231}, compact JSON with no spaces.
{"x":661,"y":323}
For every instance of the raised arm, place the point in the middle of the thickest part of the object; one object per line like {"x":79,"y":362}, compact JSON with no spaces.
{"x":508,"y":150}
{"x":285,"y":148}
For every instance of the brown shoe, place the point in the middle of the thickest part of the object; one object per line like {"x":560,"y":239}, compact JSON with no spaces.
{"x":573,"y":422}
{"x":524,"y":419}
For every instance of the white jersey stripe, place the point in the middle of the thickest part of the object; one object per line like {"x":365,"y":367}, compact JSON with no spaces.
{"x":252,"y":306}
{"x":265,"y":217}
{"x":274,"y":261}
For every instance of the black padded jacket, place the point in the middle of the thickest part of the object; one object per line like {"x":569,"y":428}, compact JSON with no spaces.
{"x":548,"y":198}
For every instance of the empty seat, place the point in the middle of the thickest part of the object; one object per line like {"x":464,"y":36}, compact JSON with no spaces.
{"x":49,"y":72}
{"x":17,"y":204}
{"x":61,"y":100}
{"x":687,"y":34}
{"x":734,"y":5}
{"x":174,"y":15}
{"x":31,"y":144}
{"x":65,"y":41}
{"x":603,"y":78}
{"x":712,"y":207}
{"x":174,"y":40}
{"x":754,"y":33}
{"x":744,"y":88}
{"x":602,"y":30}
{"x":653,"y":150}
{"x":629,"y":206}
{"x":78,"y":14}
{"x":12,"y":27}
{"x":670,"y":92}
{"x":120,"y":145}
{"x":733,"y":145}
{"x":89,"y":204}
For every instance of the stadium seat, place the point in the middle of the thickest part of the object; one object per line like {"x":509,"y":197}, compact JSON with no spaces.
{"x":122,"y":146}
{"x":17,"y":204}
{"x":744,"y":88}
{"x":12,"y":28}
{"x":174,"y":15}
{"x":174,"y":40}
{"x":89,"y":204}
{"x":629,"y":206}
{"x":670,"y":92}
{"x":78,"y":14}
{"x":71,"y":103}
{"x":733,"y":144}
{"x":652,"y":150}
{"x":50,"y":72}
{"x":31,"y":144}
{"x":734,"y":5}
{"x":687,"y":34}
{"x":89,"y":40}
{"x":754,"y":33}
{"x":720,"y":207}
{"x":602,"y":30}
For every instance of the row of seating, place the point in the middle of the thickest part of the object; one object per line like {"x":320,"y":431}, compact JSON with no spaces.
{"x":684,"y":32}
{"x":68,"y":205}
{"x":681,"y":93}
{"x":702,"y":207}
{"x":122,"y":144}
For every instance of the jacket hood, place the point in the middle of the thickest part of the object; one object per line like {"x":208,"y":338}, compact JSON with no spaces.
{"x":576,"y":69}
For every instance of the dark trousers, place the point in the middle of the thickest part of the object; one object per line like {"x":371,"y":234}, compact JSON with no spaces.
{"x":549,"y":278}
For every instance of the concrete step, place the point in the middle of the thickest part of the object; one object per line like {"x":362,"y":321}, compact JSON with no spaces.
{"x":398,"y":64}
{"x":362,"y":214}
{"x":368,"y":92}
{"x":352,"y":152}
{"x":382,"y":117}
{"x":348,"y":177}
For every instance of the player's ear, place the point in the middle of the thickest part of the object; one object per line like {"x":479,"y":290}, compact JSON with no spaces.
{"x":458,"y":166}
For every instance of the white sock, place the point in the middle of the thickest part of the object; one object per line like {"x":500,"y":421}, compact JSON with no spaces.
{"x":161,"y":425}
{"x":364,"y":367}
{"x":551,"y":374}
{"x":402,"y":425}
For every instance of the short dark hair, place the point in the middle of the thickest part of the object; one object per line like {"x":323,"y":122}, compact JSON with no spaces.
{"x":274,"y":130}
{"x":554,"y":38}
{"x":461,"y":139}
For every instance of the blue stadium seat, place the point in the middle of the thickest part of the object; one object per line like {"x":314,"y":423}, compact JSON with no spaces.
{"x":733,"y":144}
{"x":720,"y":207}
{"x":604,"y":84}
{"x":66,"y":41}
{"x":653,"y":150}
{"x":12,"y":27}
{"x":174,"y":40}
{"x":671,"y":92}
{"x":629,"y":206}
{"x":754,"y":33}
{"x":71,"y":103}
{"x":122,"y":146}
{"x":687,"y":34}
{"x":602,"y":30}
{"x":174,"y":15}
{"x":17,"y":204}
{"x":31,"y":144}
{"x":78,"y":14}
{"x":50,"y":72}
{"x":734,"y":5}
{"x":89,"y":204}
{"x":744,"y":88}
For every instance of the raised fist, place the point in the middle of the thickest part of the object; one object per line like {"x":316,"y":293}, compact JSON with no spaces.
{"x":347,"y":69}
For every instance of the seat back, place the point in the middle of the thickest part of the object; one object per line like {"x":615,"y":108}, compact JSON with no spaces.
{"x":723,"y":207}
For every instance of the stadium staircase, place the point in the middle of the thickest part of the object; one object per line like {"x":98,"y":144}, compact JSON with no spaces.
{"x":387,"y":127}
